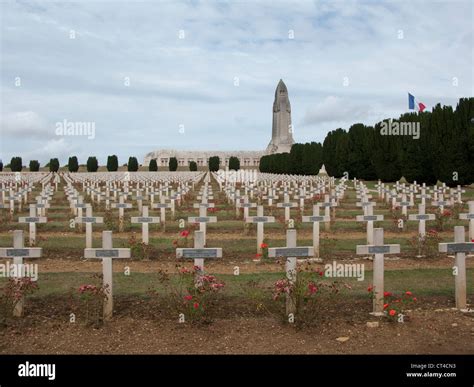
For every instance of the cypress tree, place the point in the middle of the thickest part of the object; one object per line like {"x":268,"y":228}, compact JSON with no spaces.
{"x":234,"y":163}
{"x":16,"y":164}
{"x":132,"y":165}
{"x":214,"y":163}
{"x":193,"y":166}
{"x":54,"y":165}
{"x":34,"y":166}
{"x":92,"y":164}
{"x":173,"y":164}
{"x":153,"y":166}
{"x":73,"y":164}
{"x":112,"y":163}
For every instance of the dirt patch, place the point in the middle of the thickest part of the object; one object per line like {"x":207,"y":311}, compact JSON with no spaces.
{"x":226,"y":266}
{"x":433,"y":329}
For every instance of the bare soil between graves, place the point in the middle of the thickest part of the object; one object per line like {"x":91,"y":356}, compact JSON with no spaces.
{"x":434,"y":328}
{"x":226,"y":266}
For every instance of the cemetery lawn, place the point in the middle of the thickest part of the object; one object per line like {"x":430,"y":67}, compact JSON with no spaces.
{"x":245,"y":319}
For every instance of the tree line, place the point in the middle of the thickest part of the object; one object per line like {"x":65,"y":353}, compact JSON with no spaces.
{"x":434,"y":146}
{"x":92,"y":164}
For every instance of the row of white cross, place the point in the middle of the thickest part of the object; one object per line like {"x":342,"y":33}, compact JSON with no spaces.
{"x":291,"y":252}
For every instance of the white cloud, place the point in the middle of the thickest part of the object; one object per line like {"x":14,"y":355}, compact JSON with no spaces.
{"x":336,"y":109}
{"x":25,"y":123}
{"x":190,"y":81}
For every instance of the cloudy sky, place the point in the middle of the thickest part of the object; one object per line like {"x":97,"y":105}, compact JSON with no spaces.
{"x":202,"y":74}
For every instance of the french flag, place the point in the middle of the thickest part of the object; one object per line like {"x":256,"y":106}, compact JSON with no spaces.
{"x":412,"y":102}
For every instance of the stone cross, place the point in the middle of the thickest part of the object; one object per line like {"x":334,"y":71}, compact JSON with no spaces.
{"x":18,"y":252}
{"x":270,"y":197}
{"x":89,"y":220}
{"x":315,"y":219}
{"x":440,"y":203}
{"x":379,"y":249}
{"x":199,"y":253}
{"x":423,"y":196}
{"x":405,"y":204}
{"x":370,"y":218}
{"x":459,"y":192}
{"x":469,"y":216}
{"x":145,"y":220}
{"x":460,"y":247}
{"x":121,"y":206}
{"x":422,"y":218}
{"x":260,"y":220}
{"x":246,"y":205}
{"x":302,"y":196}
{"x":32,"y":220}
{"x":162,"y":205}
{"x":202,"y":219}
{"x":287,"y":205}
{"x":291,"y":252}
{"x":107,"y":253}
{"x":327,"y":204}
{"x":139,"y":198}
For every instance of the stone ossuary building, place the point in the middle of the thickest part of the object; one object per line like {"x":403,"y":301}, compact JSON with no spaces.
{"x":282,"y":140}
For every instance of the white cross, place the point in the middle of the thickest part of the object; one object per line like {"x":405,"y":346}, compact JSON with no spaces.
{"x":315,"y":219}
{"x":18,"y":252}
{"x":199,"y":253}
{"x":107,"y":253}
{"x":423,"y":196}
{"x":469,"y":216}
{"x":370,"y":219}
{"x":121,"y":206}
{"x":246,"y":205}
{"x":32,"y":220}
{"x":327,"y":204}
{"x":202,"y":219}
{"x":162,"y":205}
{"x":378,"y":249}
{"x":260,"y":220}
{"x":145,"y":220}
{"x":405,"y":204}
{"x":290,"y":252}
{"x":422,"y":218}
{"x":89,"y":220}
{"x":440,"y":203}
{"x":460,"y":247}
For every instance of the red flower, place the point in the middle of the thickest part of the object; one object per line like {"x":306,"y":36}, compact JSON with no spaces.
{"x":370,"y":288}
{"x":414,"y":298}
{"x":385,"y":306}
{"x":188,"y":297}
{"x":196,"y":305}
{"x":392,"y":312}
{"x":258,"y":255}
{"x":184,"y":233}
{"x":408,"y":293}
{"x":312,"y":288}
{"x":263,"y":245}
{"x":387,"y":294}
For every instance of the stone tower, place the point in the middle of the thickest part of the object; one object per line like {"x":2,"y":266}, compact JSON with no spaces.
{"x":282,"y":131}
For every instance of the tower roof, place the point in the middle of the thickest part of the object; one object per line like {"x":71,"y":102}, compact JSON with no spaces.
{"x":281,"y":87}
